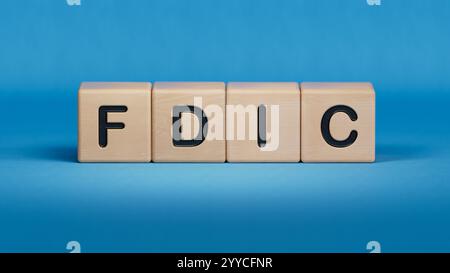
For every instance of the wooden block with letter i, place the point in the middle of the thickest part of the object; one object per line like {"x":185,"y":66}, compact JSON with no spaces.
{"x":337,"y":122}
{"x":263,"y":122}
{"x":114,"y":122}
{"x":188,"y":122}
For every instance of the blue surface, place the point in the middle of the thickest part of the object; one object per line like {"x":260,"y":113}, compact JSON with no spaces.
{"x":47,"y":199}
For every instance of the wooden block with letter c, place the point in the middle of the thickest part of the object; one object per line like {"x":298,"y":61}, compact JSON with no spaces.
{"x":337,"y":122}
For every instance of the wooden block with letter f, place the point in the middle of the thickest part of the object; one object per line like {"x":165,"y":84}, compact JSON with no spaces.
{"x":337,"y":122}
{"x":188,"y":122}
{"x":114,"y":122}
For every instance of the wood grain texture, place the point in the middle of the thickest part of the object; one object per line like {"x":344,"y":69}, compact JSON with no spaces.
{"x":316,"y":99}
{"x":283,"y":95}
{"x":165,"y":96}
{"x":130,"y":144}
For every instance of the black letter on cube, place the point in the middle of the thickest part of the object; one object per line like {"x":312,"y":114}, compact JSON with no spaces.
{"x":325,"y":126}
{"x":104,"y":125}
{"x":176,"y":126}
{"x":262,"y":126}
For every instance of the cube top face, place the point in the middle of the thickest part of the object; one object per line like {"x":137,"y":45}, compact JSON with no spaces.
{"x":119,"y":86}
{"x":114,"y":122}
{"x":338,"y":122}
{"x":342,"y":87}
{"x":263,"y":122}
{"x":263,"y":87}
{"x":189,"y":86}
{"x":188,"y":122}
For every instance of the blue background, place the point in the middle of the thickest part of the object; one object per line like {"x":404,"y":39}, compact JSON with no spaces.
{"x":47,"y":199}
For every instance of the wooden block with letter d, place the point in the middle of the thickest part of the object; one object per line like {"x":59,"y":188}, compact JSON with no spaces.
{"x":114,"y":122}
{"x":188,"y":122}
{"x":337,"y":122}
{"x":263,"y":122}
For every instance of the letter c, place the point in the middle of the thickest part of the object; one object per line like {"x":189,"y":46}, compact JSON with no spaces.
{"x":325,"y":126}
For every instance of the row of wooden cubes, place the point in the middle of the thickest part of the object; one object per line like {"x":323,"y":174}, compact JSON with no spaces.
{"x":308,"y":122}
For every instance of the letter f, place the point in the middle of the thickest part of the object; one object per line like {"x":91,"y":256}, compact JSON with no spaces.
{"x":104,"y":125}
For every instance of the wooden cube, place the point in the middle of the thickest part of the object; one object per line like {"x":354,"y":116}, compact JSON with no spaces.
{"x":263,"y":122}
{"x":338,"y":122}
{"x":188,"y":122}
{"x":114,"y":122}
